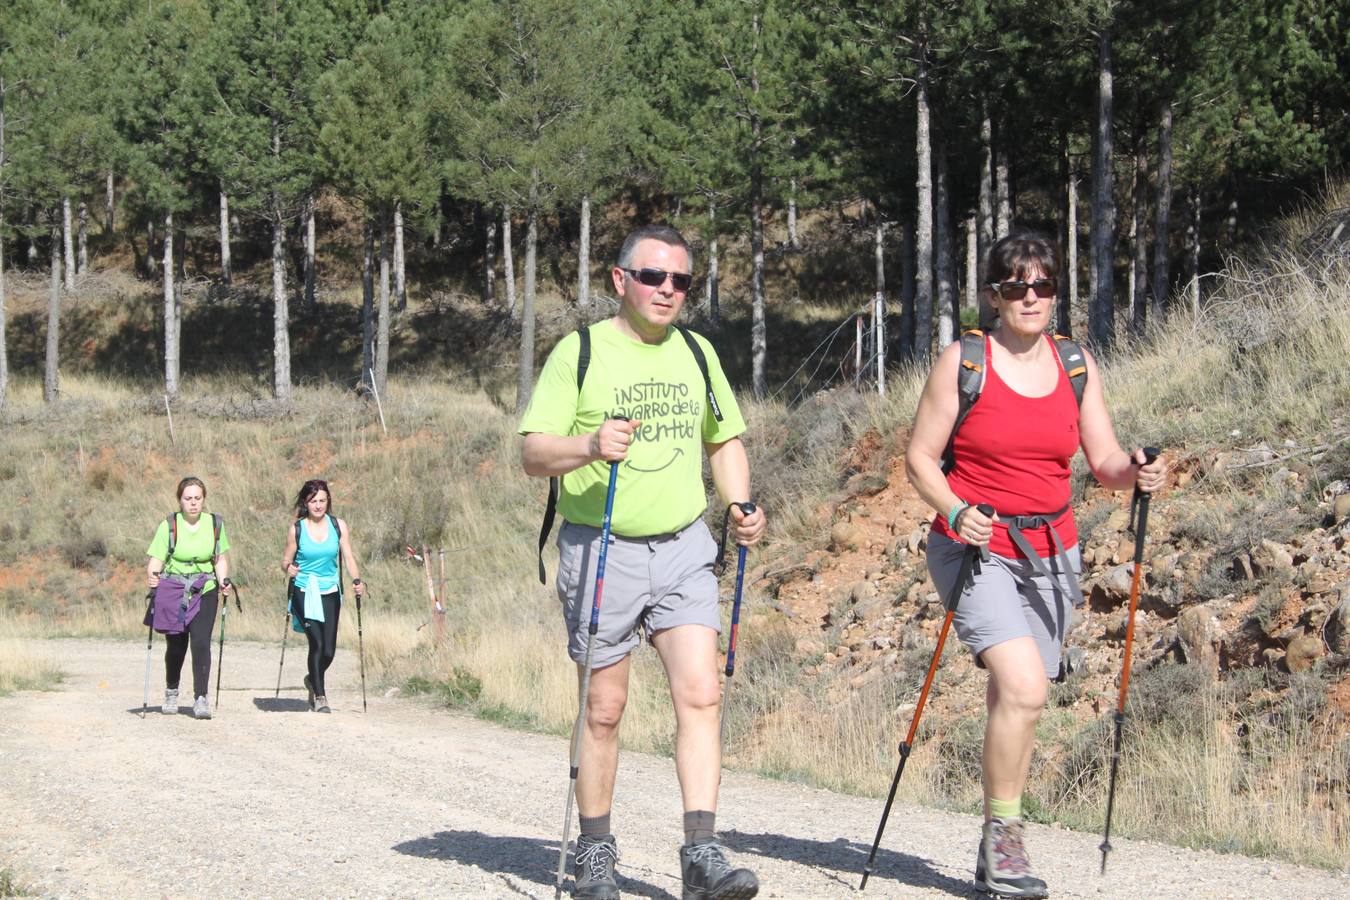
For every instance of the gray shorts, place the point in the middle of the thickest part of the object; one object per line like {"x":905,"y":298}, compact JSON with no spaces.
{"x":1008,"y":599}
{"x":652,"y":583}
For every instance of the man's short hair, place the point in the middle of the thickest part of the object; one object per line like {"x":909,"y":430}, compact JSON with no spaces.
{"x":663,"y":233}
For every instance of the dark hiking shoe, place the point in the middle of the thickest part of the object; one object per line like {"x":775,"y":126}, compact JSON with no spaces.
{"x":708,"y":876}
{"x":1001,"y":864}
{"x":201,"y":708}
{"x":170,"y":707}
{"x":594,"y":871}
{"x":321,"y":704}
{"x":309,"y":687}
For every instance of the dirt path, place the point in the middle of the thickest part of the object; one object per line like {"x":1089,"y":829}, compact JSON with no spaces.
{"x":270,"y":800}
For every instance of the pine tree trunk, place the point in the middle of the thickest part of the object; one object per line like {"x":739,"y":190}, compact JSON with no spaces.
{"x":1071,"y":249}
{"x":82,"y":238}
{"x":382,"y":334}
{"x":108,"y":197}
{"x":4,"y":315}
{"x":986,"y":231}
{"x":1101,"y":309}
{"x":584,"y":255}
{"x":400,"y":259}
{"x":226,"y":266}
{"x":1139,"y":236}
{"x":1193,"y":251}
{"x":905,"y":339}
{"x":490,"y":261}
{"x":759,"y":349}
{"x":310,"y":241}
{"x":972,"y":287}
{"x":68,"y":243}
{"x":171,"y":348}
{"x":1161,"y":281}
{"x":51,"y":379}
{"x":508,"y":264}
{"x":151,"y":264}
{"x":281,"y":316}
{"x":923,"y":260}
{"x":879,"y":304}
{"x":949,"y":314}
{"x":792,"y":214}
{"x":367,"y":301}
{"x":1002,"y":186}
{"x":525,"y":372}
{"x":1062,"y":302}
{"x":714,"y":307}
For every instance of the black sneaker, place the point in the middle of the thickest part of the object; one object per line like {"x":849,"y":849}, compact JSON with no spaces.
{"x":595,"y":858}
{"x":708,"y":876}
{"x":1001,"y":864}
{"x":309,"y":686}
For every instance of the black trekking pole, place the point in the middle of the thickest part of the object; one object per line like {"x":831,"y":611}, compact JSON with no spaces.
{"x":1139,"y":504}
{"x":285,"y":632}
{"x":361,"y":644}
{"x":962,"y":578}
{"x":586,"y":676}
{"x":149,"y":639}
{"x":224,"y":609}
{"x":748,"y":509}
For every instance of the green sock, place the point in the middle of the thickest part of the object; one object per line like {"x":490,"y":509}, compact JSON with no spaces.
{"x":1005,"y":809}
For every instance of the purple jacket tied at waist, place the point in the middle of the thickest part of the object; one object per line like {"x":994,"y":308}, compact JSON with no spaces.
{"x":178,"y":598}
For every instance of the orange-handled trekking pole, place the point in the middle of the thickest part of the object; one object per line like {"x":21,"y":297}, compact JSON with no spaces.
{"x":962,"y":579}
{"x":1139,"y":504}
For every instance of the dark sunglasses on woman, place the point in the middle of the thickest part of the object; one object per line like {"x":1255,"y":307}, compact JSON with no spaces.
{"x":1016,"y":290}
{"x":681,"y":281}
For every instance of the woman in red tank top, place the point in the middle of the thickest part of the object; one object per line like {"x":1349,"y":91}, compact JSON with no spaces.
{"x":1013,"y":452}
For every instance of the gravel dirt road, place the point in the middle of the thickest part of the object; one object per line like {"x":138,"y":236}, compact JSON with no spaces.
{"x":270,"y":800}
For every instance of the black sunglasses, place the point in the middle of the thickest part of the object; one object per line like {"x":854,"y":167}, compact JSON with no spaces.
{"x":1016,"y":290}
{"x":680,"y":281}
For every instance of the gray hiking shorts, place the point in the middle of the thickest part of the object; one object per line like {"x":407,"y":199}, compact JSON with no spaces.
{"x":1008,"y":599}
{"x":651,"y":583}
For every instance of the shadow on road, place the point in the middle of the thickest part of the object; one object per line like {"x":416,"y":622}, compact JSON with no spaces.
{"x":281,"y":704}
{"x":842,"y":860}
{"x":529,"y":859}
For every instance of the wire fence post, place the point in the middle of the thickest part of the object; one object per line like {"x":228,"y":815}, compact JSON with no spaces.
{"x":879,"y":339}
{"x":857,"y":349}
{"x":378,"y":406}
{"x":440,"y":600}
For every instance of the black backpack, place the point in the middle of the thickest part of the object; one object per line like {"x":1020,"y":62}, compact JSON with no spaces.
{"x":216,"y":523}
{"x":584,"y":363}
{"x":970,"y":380}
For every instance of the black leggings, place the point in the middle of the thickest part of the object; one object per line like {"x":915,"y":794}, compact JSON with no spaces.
{"x":199,"y":635}
{"x":322,"y":638}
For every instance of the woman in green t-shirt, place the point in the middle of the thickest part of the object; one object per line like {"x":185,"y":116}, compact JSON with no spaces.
{"x":189,"y":548}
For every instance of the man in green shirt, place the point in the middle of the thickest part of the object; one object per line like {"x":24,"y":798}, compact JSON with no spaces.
{"x":658,"y":572}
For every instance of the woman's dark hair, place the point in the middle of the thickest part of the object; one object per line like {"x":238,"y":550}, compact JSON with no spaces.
{"x":307,"y":492}
{"x":189,"y":482}
{"x":1013,"y":256}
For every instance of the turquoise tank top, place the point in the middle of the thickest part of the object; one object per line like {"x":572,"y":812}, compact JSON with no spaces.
{"x":318,"y":559}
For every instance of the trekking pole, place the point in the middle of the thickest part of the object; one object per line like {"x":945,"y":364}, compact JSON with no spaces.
{"x":361,"y":645}
{"x":748,"y":509}
{"x":285,"y":632}
{"x":220,"y":654}
{"x":586,"y":675}
{"x":965,"y":575}
{"x":1139,"y":504}
{"x":149,"y":639}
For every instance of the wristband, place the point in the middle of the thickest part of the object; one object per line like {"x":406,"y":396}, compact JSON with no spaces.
{"x":958,"y":507}
{"x":356,"y":581}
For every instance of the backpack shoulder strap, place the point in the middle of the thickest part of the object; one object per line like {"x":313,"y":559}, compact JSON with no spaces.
{"x":551,"y":505}
{"x":337,"y":529}
{"x":969,"y":383}
{"x":1075,"y":364}
{"x":702,"y":361}
{"x":172,"y":522}
{"x":216,"y":524}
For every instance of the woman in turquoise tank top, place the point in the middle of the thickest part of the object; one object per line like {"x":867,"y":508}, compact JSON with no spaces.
{"x":313,"y":546}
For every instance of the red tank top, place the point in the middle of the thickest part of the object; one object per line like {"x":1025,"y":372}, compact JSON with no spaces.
{"x":1013,"y":453}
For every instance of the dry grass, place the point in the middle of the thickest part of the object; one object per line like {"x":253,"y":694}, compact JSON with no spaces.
{"x":23,"y":668}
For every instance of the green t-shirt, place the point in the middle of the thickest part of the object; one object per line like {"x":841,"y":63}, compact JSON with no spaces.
{"x":193,"y":550}
{"x":660,"y":487}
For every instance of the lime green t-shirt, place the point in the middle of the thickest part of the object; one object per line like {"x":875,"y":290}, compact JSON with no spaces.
{"x":192,"y":551}
{"x":660,"y":487}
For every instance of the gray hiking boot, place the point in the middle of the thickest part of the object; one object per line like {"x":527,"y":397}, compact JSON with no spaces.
{"x":708,"y":876}
{"x":170,"y":707}
{"x":1001,"y":864}
{"x":321,"y":704}
{"x":309,"y":686}
{"x":595,"y":858}
{"x":201,"y":709}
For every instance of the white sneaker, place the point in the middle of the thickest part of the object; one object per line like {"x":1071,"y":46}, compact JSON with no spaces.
{"x":201,"y":708}
{"x":170,"y":707}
